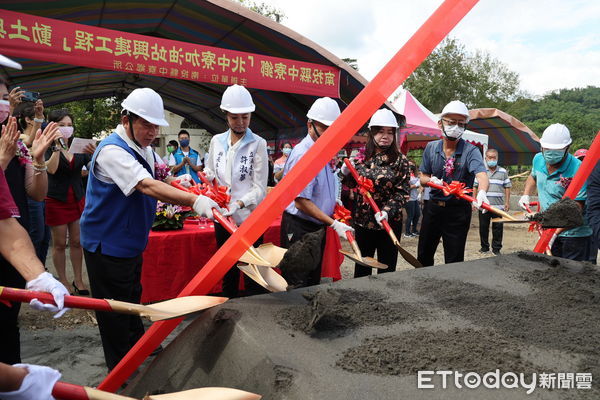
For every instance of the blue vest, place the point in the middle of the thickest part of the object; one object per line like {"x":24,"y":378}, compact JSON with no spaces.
{"x":193,"y":155}
{"x":115,"y":223}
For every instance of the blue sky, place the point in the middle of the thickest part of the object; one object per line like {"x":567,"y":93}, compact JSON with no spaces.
{"x":552,"y":44}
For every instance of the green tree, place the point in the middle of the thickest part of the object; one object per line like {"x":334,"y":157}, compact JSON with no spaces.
{"x":451,"y":72}
{"x":353,"y":62}
{"x":92,"y":116}
{"x":578,"y":109}
{"x":266,"y":10}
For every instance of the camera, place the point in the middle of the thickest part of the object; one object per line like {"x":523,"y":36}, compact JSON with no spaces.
{"x":30,"y":96}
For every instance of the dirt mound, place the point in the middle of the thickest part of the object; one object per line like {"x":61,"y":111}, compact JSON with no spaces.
{"x":336,"y":312}
{"x":422,"y":350}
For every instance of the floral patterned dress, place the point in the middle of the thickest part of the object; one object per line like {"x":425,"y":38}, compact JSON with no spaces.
{"x":391,"y":181}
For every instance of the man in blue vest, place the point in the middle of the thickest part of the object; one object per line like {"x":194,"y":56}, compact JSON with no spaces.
{"x":185,"y":160}
{"x":119,"y":210}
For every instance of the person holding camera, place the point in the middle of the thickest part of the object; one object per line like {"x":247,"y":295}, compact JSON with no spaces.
{"x":65,"y":200}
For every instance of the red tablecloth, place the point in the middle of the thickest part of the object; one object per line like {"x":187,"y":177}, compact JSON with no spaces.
{"x":173,"y":258}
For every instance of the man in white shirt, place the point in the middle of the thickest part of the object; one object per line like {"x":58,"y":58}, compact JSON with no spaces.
{"x":238,"y":158}
{"x":119,"y":211}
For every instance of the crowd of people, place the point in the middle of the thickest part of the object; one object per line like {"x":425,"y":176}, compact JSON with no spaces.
{"x":108,"y":220}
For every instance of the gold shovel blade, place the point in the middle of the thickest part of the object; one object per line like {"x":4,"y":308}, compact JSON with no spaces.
{"x":271,"y":253}
{"x":265,"y":277}
{"x":251,"y":256}
{"x":207,"y":393}
{"x":173,"y":308}
{"x":365,"y":261}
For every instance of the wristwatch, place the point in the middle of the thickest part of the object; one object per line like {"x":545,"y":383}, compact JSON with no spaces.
{"x":55,"y":148}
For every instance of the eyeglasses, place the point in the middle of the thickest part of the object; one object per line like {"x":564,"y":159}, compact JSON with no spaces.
{"x":452,"y":122}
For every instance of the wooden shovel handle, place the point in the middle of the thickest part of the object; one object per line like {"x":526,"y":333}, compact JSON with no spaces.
{"x":68,"y":391}
{"x":354,"y":245}
{"x":25,"y":296}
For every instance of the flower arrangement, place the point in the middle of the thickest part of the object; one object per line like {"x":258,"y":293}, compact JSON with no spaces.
{"x":23,"y":153}
{"x":161,"y":171}
{"x":360,"y":155}
{"x":449,"y":166}
{"x":170,"y":217}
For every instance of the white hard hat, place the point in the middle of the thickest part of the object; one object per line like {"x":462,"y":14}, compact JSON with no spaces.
{"x":383,"y":117}
{"x":237,"y":100}
{"x":456,"y":107}
{"x":147,"y":104}
{"x":556,"y":136}
{"x":325,"y":110}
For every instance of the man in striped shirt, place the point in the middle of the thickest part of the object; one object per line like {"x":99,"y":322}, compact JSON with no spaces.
{"x":499,"y":196}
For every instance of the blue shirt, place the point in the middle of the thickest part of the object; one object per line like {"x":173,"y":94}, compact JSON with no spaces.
{"x":321,"y":190}
{"x":468,"y":163}
{"x":550,"y":188}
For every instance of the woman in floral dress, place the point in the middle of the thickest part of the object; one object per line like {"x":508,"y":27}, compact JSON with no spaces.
{"x":388,"y":169}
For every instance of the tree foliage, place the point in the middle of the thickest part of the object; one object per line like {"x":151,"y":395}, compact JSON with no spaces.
{"x":451,"y":72}
{"x":578,"y":109}
{"x":266,"y":10}
{"x":352,"y":62}
{"x":92,"y":116}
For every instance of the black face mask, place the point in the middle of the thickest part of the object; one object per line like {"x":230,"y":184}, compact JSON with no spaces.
{"x":315,"y":129}
{"x":131,"y":129}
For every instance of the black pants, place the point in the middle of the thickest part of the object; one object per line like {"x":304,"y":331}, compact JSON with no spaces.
{"x":370,"y":240}
{"x":450,"y":223}
{"x":10,"y":343}
{"x":484,"y":232}
{"x":413,"y":213}
{"x":118,"y":279}
{"x":573,"y":248}
{"x":231,"y":280}
{"x":293,"y":229}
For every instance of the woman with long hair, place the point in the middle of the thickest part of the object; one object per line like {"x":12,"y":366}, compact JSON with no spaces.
{"x":388,"y":169}
{"x":65,"y":202}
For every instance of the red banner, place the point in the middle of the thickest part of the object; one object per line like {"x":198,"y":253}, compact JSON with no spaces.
{"x":45,"y":39}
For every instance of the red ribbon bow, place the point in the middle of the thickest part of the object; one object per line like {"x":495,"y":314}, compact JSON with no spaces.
{"x":365,"y":184}
{"x":341,"y":213}
{"x":455,"y":188}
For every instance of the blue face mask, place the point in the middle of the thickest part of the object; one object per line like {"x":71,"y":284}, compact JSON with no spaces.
{"x":184,"y":142}
{"x":553,"y":157}
{"x":287,"y":151}
{"x":492,"y":163}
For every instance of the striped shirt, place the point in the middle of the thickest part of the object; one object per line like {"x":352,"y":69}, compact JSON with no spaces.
{"x":499,"y":181}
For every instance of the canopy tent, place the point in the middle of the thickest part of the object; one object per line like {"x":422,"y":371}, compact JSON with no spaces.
{"x":421,"y":125}
{"x":515,"y":142}
{"x":219,"y":23}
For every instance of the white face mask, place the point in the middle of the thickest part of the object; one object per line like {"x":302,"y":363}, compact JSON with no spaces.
{"x":67,"y":131}
{"x":454,"y":131}
{"x":4,"y":110}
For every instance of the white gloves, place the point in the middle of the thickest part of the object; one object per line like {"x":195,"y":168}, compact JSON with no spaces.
{"x":340,"y":228}
{"x":185,"y":180}
{"x":339,"y":202}
{"x":524,"y":201}
{"x":380,"y":216}
{"x":481,"y":198}
{"x":204,"y":205}
{"x":209,"y":174}
{"x":37,"y":384}
{"x":45,"y":282}
{"x":233,"y":207}
{"x":345,"y":170}
{"x":436,"y":180}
